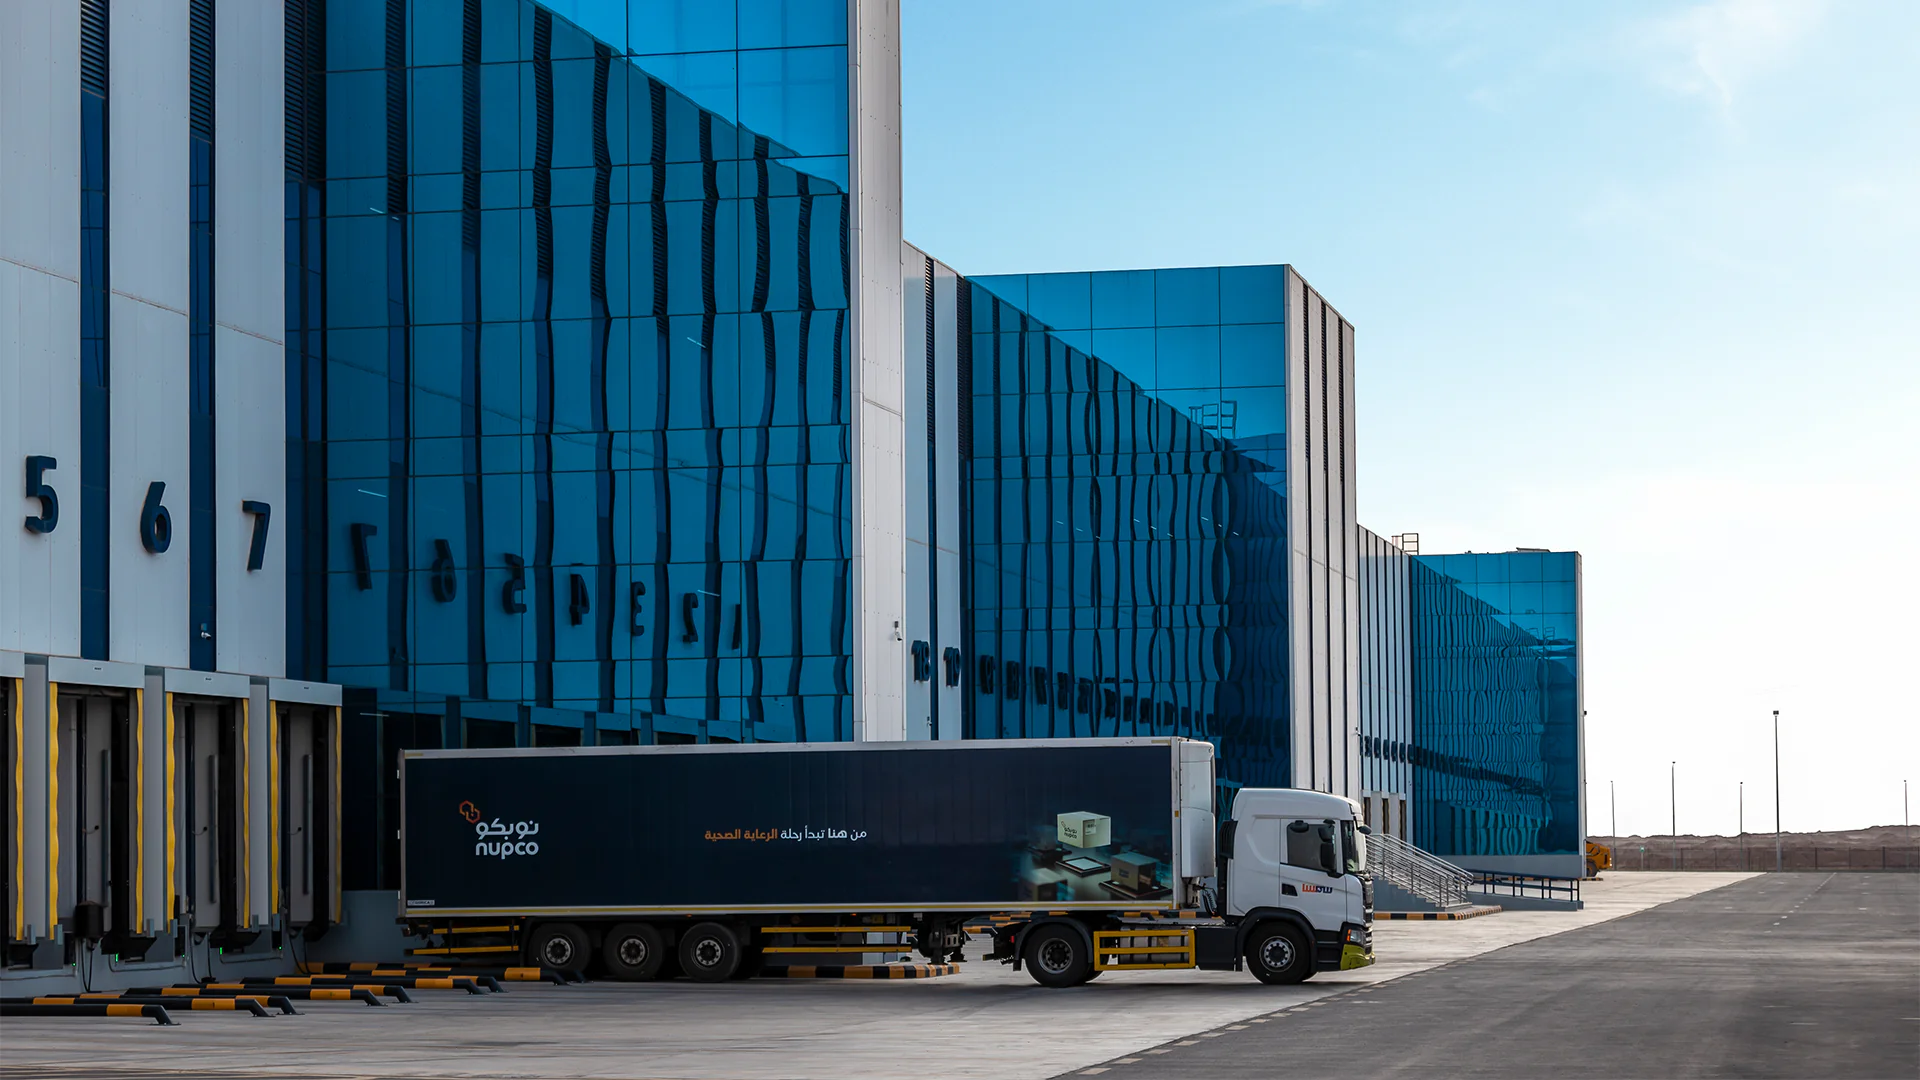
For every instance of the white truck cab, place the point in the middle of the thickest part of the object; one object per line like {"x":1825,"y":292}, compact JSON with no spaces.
{"x":1297,"y":859}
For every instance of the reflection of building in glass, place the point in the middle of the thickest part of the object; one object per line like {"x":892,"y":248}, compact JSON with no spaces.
{"x":1160,"y":512}
{"x":1497,"y":744}
{"x":577,"y":375}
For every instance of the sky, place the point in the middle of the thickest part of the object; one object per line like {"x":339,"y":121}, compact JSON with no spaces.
{"x":1640,"y":280}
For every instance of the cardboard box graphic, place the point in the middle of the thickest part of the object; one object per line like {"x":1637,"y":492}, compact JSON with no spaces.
{"x":1084,"y":830}
{"x":1134,"y":870}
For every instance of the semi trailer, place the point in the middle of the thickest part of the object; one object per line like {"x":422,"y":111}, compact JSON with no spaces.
{"x":1085,"y":855}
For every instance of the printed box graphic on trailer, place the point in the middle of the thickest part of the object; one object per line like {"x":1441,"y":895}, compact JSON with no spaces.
{"x":907,"y":825}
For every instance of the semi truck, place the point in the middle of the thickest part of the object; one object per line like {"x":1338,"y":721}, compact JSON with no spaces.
{"x":709,"y":861}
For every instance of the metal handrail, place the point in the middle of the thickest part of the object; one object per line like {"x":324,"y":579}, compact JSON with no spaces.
{"x":1544,"y":886}
{"x":1420,"y":873}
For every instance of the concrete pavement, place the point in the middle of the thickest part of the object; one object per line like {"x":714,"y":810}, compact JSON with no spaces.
{"x":1787,"y":975}
{"x":987,"y":1022}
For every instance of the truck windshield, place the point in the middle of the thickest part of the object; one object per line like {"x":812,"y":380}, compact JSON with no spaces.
{"x":1355,"y":846}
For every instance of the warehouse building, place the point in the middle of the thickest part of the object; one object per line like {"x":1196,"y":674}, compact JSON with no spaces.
{"x":394,"y":374}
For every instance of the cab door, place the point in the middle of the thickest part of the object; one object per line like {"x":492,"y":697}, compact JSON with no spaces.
{"x":1305,"y":884}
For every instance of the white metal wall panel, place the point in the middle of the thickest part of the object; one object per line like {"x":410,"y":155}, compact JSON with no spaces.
{"x":946,"y":491}
{"x":249,"y":464}
{"x":249,"y":311}
{"x":148,"y":599}
{"x":40,"y":318}
{"x":40,"y":135}
{"x":918,"y":597}
{"x":249,"y":154}
{"x":880,"y":651}
{"x":147,"y":121}
{"x":148,"y":214}
{"x":1299,"y":402}
{"x":39,"y":415}
{"x":1350,"y":563}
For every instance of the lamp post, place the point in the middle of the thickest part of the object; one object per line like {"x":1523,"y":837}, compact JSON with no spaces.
{"x":1673,"y":824}
{"x":1778,"y":863}
{"x":1613,"y":810}
{"x":1743,"y":824}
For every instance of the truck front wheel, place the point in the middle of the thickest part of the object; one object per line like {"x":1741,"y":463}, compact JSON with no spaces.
{"x":561,"y":946}
{"x":709,"y":952}
{"x":1277,"y":953}
{"x":633,"y":951}
{"x":1056,"y":957}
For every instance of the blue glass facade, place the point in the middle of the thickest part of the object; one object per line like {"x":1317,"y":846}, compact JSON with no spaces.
{"x":1497,"y":708}
{"x":1125,"y":506}
{"x":577,"y":430}
{"x":568,"y":352}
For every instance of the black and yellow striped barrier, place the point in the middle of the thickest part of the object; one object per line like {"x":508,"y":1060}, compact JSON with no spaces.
{"x":861,"y":971}
{"x":157,"y":1013}
{"x":271,"y":1001}
{"x":422,"y":980}
{"x":122,"y":997}
{"x":390,"y":974}
{"x":416,"y":967}
{"x":1438,"y":916}
{"x":296,"y":993}
{"x":394,"y":986}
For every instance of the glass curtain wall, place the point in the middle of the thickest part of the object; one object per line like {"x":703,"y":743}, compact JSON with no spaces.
{"x":1497,"y":704}
{"x":1125,"y":559}
{"x":568,"y":339}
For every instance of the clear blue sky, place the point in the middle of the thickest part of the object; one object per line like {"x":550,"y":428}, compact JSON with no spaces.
{"x":1636,"y":279}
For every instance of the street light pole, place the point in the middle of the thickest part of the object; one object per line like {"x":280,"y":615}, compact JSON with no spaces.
{"x":1613,"y":810}
{"x":1673,"y":826}
{"x":1743,"y":824}
{"x":1778,"y":863}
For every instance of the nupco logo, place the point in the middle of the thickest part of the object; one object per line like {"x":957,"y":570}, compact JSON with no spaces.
{"x":497,"y":838}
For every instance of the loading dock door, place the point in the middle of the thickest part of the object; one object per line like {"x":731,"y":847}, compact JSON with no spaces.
{"x":303,"y":783}
{"x":99,"y":775}
{"x":208,"y":751}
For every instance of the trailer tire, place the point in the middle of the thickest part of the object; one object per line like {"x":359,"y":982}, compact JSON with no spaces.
{"x":633,"y":952}
{"x":561,"y":946}
{"x":710,"y":952}
{"x":1058,"y":957}
{"x":1277,"y":954}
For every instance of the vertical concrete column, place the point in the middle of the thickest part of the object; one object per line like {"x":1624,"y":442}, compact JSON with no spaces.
{"x":156,"y":819}
{"x":36,"y":800}
{"x":261,"y":771}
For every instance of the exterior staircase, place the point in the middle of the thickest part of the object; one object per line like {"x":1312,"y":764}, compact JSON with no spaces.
{"x":1426,"y":878}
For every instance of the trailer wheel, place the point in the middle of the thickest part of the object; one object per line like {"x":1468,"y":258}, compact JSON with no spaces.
{"x":633,"y":951}
{"x":1277,"y":954}
{"x":1057,"y":957}
{"x":561,"y":946}
{"x":709,"y":952}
